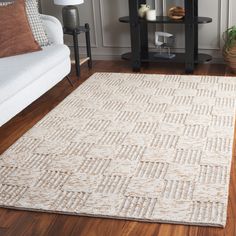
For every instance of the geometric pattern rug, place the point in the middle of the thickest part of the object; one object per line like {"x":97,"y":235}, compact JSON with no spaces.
{"x":154,"y":148}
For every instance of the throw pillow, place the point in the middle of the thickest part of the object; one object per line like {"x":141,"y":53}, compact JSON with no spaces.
{"x":35,"y":21}
{"x":15,"y":36}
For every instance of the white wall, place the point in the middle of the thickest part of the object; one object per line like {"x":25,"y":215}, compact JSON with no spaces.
{"x":110,"y":39}
{"x":232,"y":19}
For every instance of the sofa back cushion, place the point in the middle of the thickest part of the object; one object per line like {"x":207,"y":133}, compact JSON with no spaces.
{"x":15,"y":35}
{"x":34,"y":19}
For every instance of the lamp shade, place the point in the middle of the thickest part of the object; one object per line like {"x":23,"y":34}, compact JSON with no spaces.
{"x":68,"y":2}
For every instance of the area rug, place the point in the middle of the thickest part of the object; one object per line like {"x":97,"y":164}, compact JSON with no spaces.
{"x":154,"y":148}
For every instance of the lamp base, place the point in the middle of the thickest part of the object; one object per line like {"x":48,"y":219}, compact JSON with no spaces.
{"x":70,"y":16}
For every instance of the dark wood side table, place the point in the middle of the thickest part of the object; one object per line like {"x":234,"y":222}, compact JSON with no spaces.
{"x":78,"y":62}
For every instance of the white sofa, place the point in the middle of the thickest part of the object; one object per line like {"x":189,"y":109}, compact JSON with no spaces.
{"x":24,"y":78}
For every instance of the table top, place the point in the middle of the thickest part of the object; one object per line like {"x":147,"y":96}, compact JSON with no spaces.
{"x":80,"y":29}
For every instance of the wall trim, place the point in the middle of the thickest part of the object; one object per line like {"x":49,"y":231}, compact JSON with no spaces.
{"x":230,"y":13}
{"x":103,"y":32}
{"x":94,"y":27}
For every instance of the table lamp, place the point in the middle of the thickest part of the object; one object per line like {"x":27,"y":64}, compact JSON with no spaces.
{"x":70,"y":13}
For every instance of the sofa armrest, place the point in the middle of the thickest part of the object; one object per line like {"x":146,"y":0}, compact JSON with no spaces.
{"x":53,"y":29}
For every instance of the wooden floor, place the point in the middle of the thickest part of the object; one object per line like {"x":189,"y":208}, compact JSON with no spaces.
{"x":25,"y":223}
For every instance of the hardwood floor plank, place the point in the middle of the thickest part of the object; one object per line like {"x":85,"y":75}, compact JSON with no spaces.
{"x":193,"y":231}
{"x":63,"y":225}
{"x":143,"y":229}
{"x":16,"y":223}
{"x":40,"y":224}
{"x":87,"y":226}
{"x":8,"y":217}
{"x":21,"y":224}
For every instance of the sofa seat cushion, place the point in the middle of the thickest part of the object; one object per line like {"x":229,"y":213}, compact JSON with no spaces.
{"x":17,"y":72}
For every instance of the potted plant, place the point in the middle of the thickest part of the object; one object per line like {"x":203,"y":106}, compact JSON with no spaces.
{"x":229,"y":51}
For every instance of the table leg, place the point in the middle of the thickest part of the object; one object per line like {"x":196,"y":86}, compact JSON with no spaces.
{"x":189,"y":37}
{"x":69,"y":80}
{"x":195,"y":30}
{"x":76,"y":51}
{"x":88,"y":45}
{"x":135,"y":35}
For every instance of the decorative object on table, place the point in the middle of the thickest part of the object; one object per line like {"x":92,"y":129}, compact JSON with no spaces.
{"x":164,"y":41}
{"x":151,"y":15}
{"x":117,"y":148}
{"x":35,"y":21}
{"x":229,"y":50}
{"x":70,"y":13}
{"x":176,"y":13}
{"x":143,"y":10}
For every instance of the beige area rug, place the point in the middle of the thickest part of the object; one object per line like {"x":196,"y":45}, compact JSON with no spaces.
{"x":154,"y":148}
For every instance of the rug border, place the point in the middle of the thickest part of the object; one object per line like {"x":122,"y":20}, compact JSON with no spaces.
{"x":112,"y":217}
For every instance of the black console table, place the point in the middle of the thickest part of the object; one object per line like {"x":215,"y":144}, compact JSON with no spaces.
{"x":139,"y":36}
